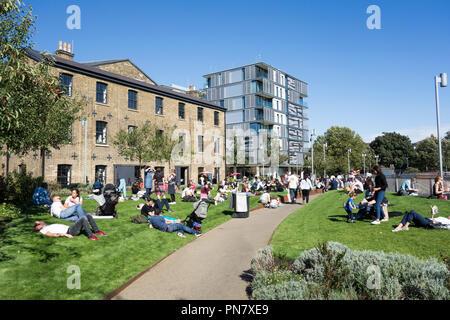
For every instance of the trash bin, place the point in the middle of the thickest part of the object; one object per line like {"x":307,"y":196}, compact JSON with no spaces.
{"x":240,"y":204}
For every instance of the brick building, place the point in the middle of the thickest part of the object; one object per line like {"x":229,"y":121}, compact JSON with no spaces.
{"x":121,"y":96}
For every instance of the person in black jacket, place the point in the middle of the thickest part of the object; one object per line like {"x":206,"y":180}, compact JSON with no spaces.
{"x":379,"y":193}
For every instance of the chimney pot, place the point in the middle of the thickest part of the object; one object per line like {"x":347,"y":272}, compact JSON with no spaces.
{"x":65,"y":46}
{"x":69,"y":48}
{"x":60,"y":45}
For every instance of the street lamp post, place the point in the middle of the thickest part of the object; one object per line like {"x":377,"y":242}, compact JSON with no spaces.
{"x":364,"y":162}
{"x":324,"y":160}
{"x":313,"y":134}
{"x":348,"y":156}
{"x":443,"y":83}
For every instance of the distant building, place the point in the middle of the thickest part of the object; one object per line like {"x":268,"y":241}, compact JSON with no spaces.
{"x":192,"y":90}
{"x":259,"y":96}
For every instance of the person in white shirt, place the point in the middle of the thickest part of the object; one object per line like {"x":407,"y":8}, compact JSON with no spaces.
{"x":74,"y":199}
{"x":293,"y":185}
{"x":306,"y":187}
{"x":59,"y":211}
{"x":357,"y":187}
{"x":61,"y":230}
{"x":265,"y":198}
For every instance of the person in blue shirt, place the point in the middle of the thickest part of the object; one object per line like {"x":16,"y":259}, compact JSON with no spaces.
{"x":158,"y":222}
{"x":406,"y":189}
{"x":333,"y":184}
{"x":41,"y":196}
{"x":349,"y":206}
{"x":148,"y":180}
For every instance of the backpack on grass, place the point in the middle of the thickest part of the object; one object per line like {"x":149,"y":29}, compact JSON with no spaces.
{"x":139,"y":219}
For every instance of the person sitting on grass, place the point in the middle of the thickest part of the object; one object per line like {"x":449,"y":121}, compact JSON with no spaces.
{"x":74,"y":199}
{"x":275,"y":203}
{"x":420,"y":221}
{"x":59,"y":211}
{"x":41,"y":196}
{"x":61,"y":230}
{"x":265,"y":199}
{"x":357,"y":186}
{"x":438,"y":189}
{"x":349,"y":206}
{"x":158,"y":222}
{"x":406,"y":188}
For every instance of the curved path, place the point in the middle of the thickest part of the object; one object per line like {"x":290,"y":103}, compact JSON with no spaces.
{"x":212,"y":267}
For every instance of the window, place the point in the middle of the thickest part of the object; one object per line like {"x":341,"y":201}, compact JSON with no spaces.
{"x":216,"y":145}
{"x":222,"y":103}
{"x":132,"y":99}
{"x":219,"y":79}
{"x":100,"y":136}
{"x":208,"y":82}
{"x":216,"y":118}
{"x":23,"y":168}
{"x":200,"y":143}
{"x":181,"y":111}
{"x":131,"y":129}
{"x":182,"y":142}
{"x":159,"y":106}
{"x":101,"y":92}
{"x":100,"y":174}
{"x":200,"y":114}
{"x":64,"y":174}
{"x":65,"y":82}
{"x":243,"y":73}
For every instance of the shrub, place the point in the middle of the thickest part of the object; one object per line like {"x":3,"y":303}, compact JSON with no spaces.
{"x":19,"y":188}
{"x":9,"y":211}
{"x":264,"y":260}
{"x":333,"y":271}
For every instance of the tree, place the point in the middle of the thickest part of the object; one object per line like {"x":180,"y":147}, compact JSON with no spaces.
{"x":447,"y":135}
{"x":393,"y":149}
{"x":145,"y":144}
{"x":36,"y":113}
{"x":427,"y":154}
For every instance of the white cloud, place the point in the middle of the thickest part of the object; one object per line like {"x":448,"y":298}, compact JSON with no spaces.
{"x":415,"y":134}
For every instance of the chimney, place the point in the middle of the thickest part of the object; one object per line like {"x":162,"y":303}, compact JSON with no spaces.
{"x":65,"y":51}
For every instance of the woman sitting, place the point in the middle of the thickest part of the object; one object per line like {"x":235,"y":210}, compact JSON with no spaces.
{"x":438,"y":189}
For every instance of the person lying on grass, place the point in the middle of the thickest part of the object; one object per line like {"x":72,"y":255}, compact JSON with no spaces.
{"x":61,"y":230}
{"x":149,"y":208}
{"x":420,"y":221}
{"x":159,"y":222}
{"x":73,"y":213}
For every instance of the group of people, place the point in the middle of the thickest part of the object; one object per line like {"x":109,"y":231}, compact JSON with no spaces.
{"x":376,"y":202}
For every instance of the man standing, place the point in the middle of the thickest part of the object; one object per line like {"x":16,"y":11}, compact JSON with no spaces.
{"x":293,"y":185}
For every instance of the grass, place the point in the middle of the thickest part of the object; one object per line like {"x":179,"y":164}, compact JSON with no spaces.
{"x":324,"y":219}
{"x":33,"y":266}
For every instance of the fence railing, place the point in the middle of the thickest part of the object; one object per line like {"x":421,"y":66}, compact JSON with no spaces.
{"x":423,"y":184}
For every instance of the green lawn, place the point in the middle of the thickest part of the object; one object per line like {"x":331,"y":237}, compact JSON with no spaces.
{"x":33,"y":266}
{"x":324,"y":219}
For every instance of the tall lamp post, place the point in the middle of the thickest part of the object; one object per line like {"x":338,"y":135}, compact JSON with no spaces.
{"x":442,"y":79}
{"x":325,"y":145}
{"x":364,"y":162}
{"x":348,"y":156}
{"x":313,"y":134}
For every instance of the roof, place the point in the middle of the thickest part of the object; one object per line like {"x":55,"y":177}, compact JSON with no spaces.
{"x":100,"y":74}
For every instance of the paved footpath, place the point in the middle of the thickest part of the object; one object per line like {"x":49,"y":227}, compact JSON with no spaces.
{"x":212,"y":267}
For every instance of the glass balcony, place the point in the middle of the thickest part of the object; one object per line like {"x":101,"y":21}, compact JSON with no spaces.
{"x":302,"y":103}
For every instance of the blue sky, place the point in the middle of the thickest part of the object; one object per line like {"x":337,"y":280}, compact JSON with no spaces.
{"x":372,"y":81}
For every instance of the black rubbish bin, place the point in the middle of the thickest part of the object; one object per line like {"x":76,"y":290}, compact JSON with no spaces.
{"x":240,"y":204}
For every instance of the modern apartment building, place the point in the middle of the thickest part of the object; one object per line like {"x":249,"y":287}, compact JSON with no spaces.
{"x":259,"y":96}
{"x":122,"y":96}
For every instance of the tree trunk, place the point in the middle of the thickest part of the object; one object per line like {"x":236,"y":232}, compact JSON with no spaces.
{"x":7,"y":161}
{"x":43,"y":163}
